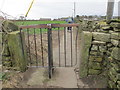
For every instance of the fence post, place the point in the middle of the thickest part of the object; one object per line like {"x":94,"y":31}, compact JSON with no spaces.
{"x":50,"y":52}
{"x":17,"y":50}
{"x":110,"y":10}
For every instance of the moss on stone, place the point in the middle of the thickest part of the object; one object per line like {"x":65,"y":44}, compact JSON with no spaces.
{"x":95,"y":65}
{"x":94,"y":72}
{"x":115,"y":53}
{"x":18,"y":50}
{"x":85,"y":47}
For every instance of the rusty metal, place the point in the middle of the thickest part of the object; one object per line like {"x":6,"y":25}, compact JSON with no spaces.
{"x":50,"y":53}
{"x":35,"y":48}
{"x":71,"y":48}
{"x":64,"y":25}
{"x":42,"y":47}
{"x":49,"y":28}
{"x":65,"y":44}
{"x":29,"y":46}
{"x":35,"y":26}
{"x":59,"y":45}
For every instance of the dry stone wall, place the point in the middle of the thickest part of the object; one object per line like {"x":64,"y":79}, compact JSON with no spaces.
{"x":100,"y":51}
{"x":13,"y":47}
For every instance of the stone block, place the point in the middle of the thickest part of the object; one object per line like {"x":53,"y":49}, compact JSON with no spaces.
{"x":9,"y":26}
{"x":110,"y":49}
{"x":94,"y":53}
{"x":6,"y":58}
{"x":102,"y":48}
{"x":112,"y":84}
{"x":101,"y":36}
{"x":95,"y":65}
{"x":6,"y":50}
{"x":118,"y":82}
{"x":113,"y":71}
{"x":86,"y":40}
{"x":112,"y":76}
{"x":115,"y":53}
{"x":118,"y":76}
{"x":110,"y":59}
{"x":115,"y":42}
{"x":111,"y":31}
{"x":94,"y":72}
{"x":106,"y":27}
{"x":0,"y":38}
{"x":115,"y":25}
{"x":1,"y":47}
{"x":104,"y":31}
{"x":116,"y":29}
{"x":17,"y":49}
{"x":98,"y":43}
{"x":116,"y":66}
{"x":94,"y":47}
{"x":109,"y":45}
{"x":95,"y":58}
{"x":115,"y":35}
{"x":118,"y":86}
{"x":108,"y":53}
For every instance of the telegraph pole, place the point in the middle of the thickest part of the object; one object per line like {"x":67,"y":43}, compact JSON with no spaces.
{"x":110,"y":10}
{"x":74,"y":9}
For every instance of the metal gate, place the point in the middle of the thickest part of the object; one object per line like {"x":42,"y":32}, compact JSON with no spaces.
{"x":51,"y":45}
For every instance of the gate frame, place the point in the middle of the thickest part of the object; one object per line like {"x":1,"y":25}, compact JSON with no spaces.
{"x":49,"y":33}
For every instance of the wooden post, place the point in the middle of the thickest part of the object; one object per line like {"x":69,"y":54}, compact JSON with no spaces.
{"x":110,"y":10}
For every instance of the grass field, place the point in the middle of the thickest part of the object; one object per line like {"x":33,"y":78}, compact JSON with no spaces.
{"x":37,"y":31}
{"x":38,"y":22}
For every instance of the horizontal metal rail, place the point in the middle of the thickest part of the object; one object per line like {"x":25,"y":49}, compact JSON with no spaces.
{"x":64,"y":25}
{"x":49,"y":26}
{"x":35,"y":26}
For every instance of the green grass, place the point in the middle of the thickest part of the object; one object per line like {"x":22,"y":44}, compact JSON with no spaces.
{"x":37,"y":31}
{"x":38,"y":22}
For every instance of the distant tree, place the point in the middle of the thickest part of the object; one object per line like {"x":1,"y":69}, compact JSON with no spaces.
{"x":77,"y":16}
{"x":90,"y":17}
{"x":21,"y":17}
{"x":103,"y":17}
{"x":85,"y":16}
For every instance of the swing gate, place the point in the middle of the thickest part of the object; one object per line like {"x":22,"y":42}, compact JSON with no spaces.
{"x":51,"y":45}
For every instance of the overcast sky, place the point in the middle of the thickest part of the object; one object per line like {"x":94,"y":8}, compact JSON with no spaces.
{"x":55,"y":8}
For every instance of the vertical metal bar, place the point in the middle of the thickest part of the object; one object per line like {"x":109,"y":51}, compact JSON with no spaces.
{"x":65,"y":44}
{"x":42,"y":46}
{"x":59,"y":44}
{"x":51,"y":50}
{"x":29,"y":46}
{"x":71,"y":48}
{"x":35,"y":47}
{"x":22,"y":42}
{"x":76,"y":44}
{"x":50,"y":54}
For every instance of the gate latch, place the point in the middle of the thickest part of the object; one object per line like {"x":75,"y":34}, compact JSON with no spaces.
{"x":49,"y":25}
